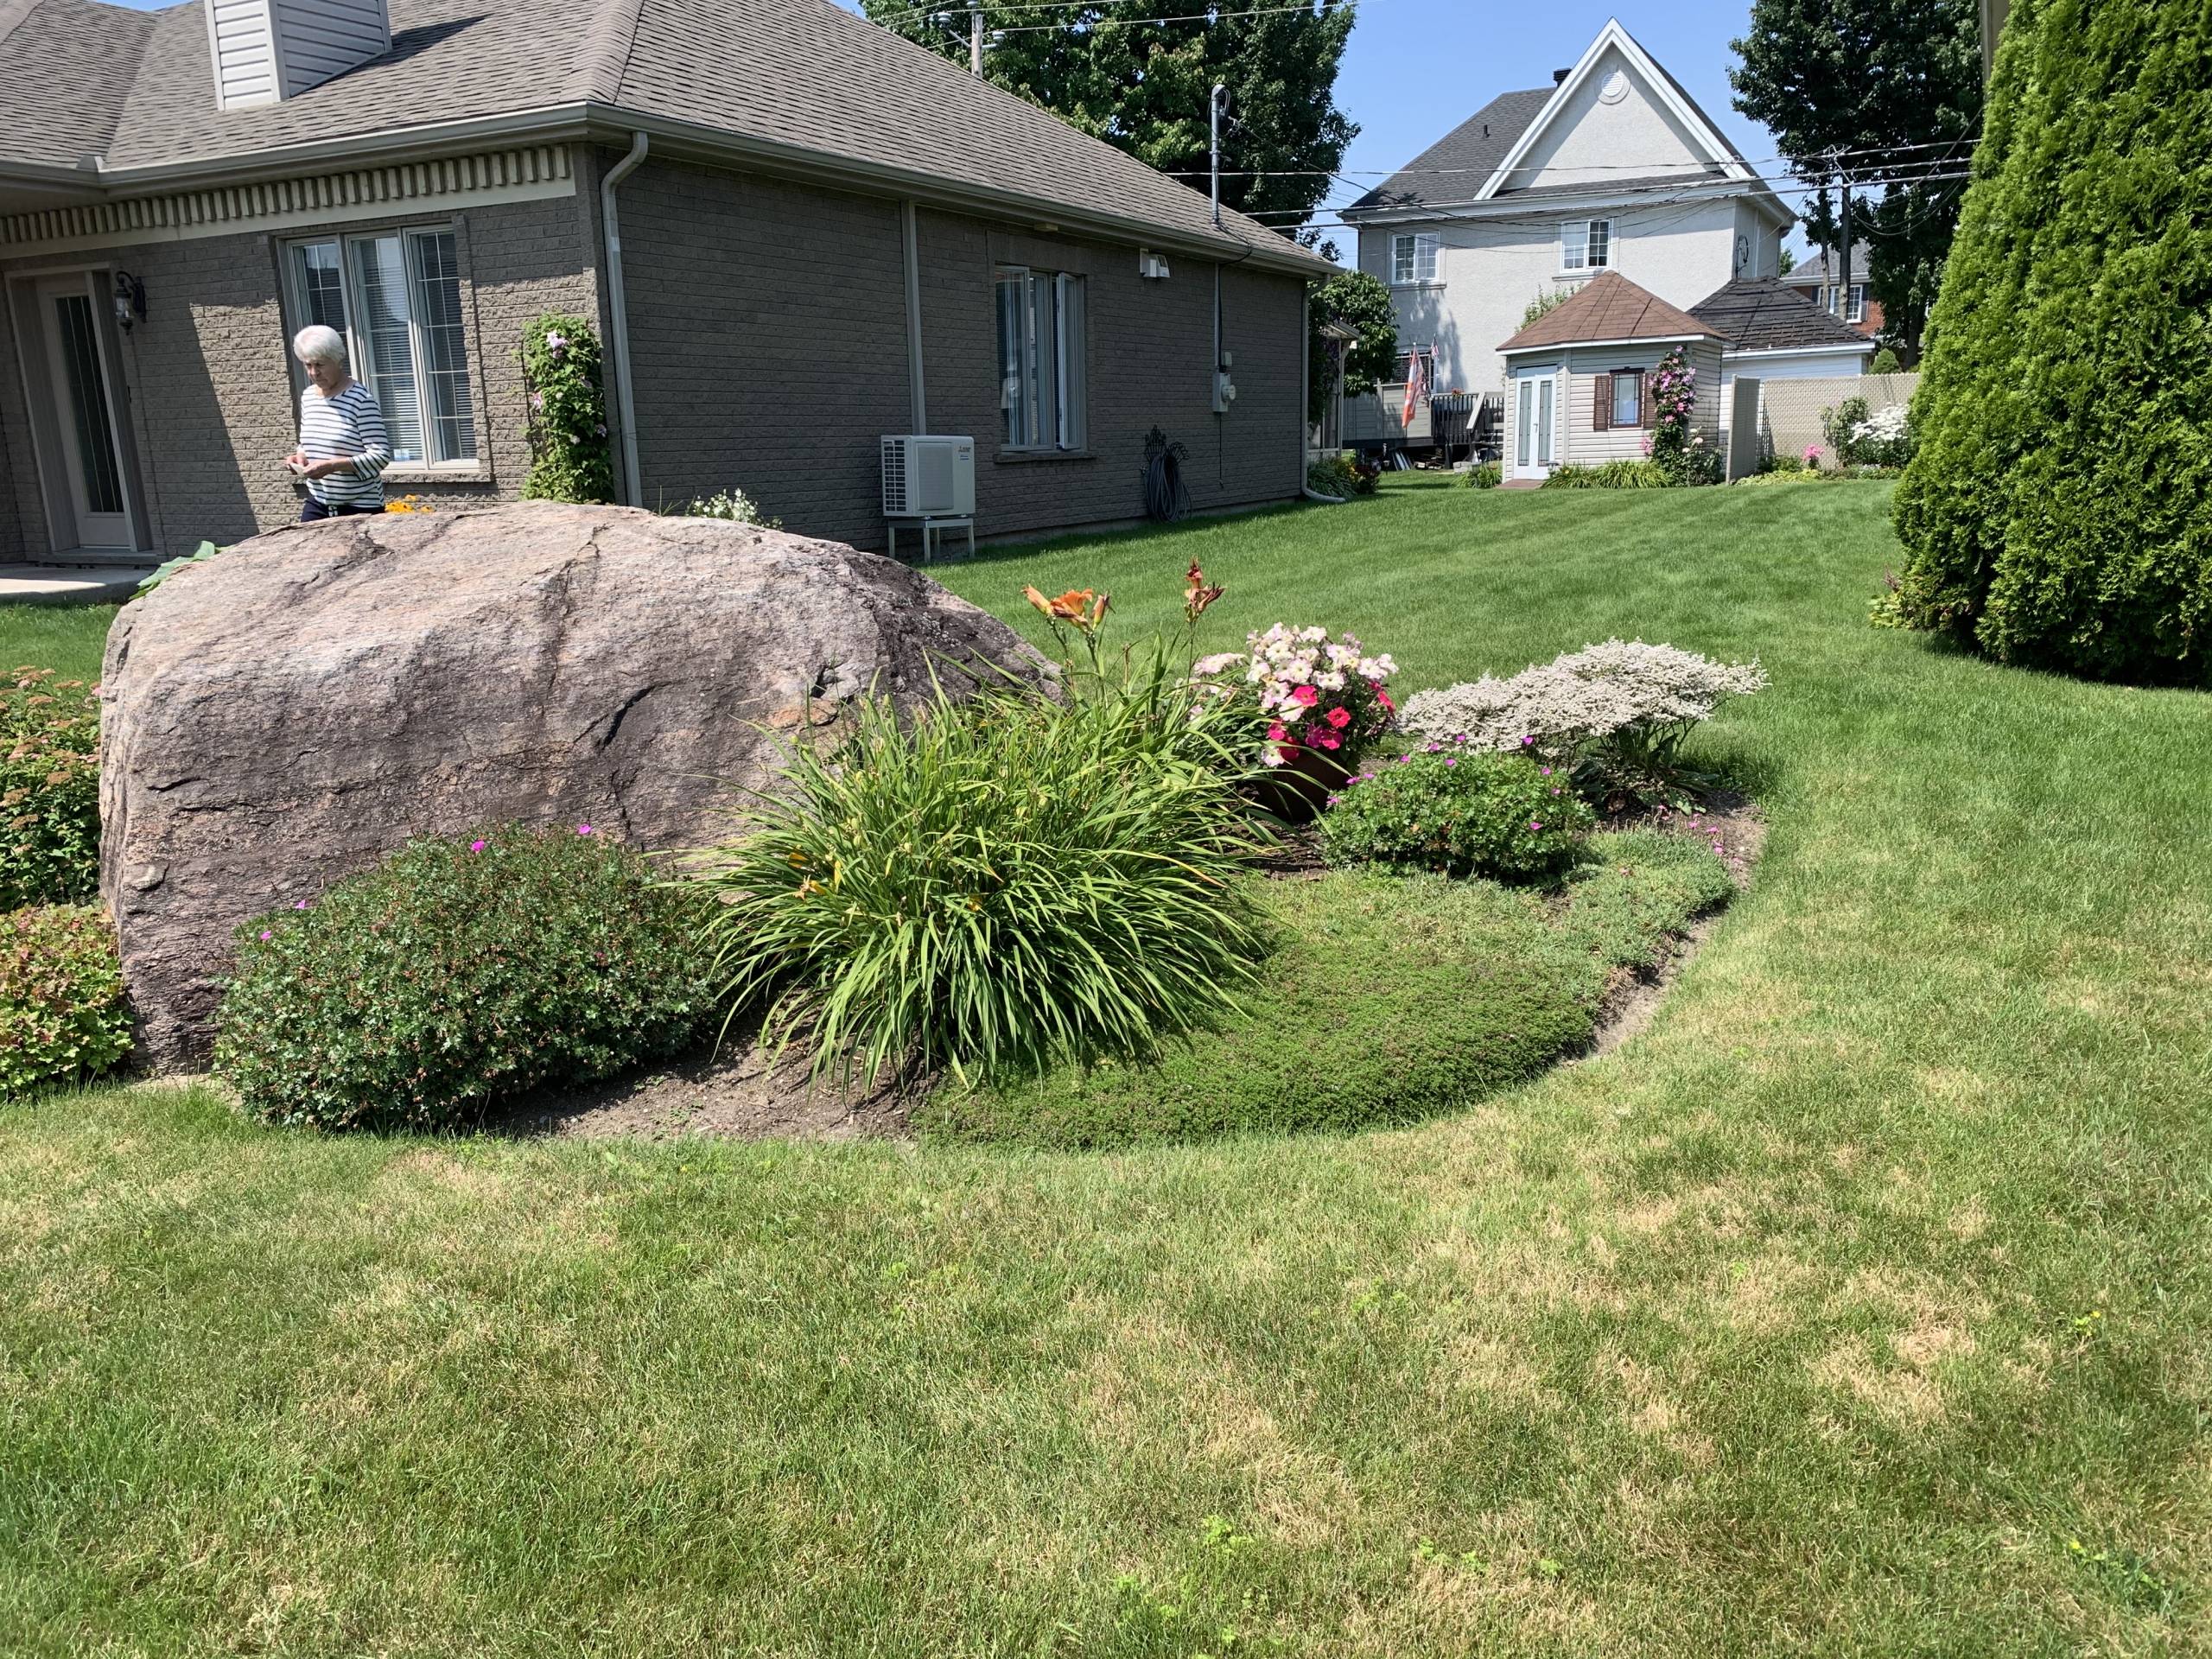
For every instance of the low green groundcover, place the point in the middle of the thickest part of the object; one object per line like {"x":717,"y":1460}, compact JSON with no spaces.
{"x":1391,"y":999}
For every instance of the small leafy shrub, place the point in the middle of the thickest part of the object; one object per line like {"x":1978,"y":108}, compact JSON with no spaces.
{"x":1459,"y":811}
{"x":733,"y":504}
{"x":1885,"y":362}
{"x":1616,"y":714}
{"x":1886,"y":608}
{"x":49,"y":790}
{"x":1677,"y":448}
{"x":1787,"y":464}
{"x":458,"y":974}
{"x":571,"y":459}
{"x":1482,"y":476}
{"x":1618,"y":474}
{"x":1391,"y":999}
{"x":1334,"y":475}
{"x":994,"y":886}
{"x":63,"y":1016}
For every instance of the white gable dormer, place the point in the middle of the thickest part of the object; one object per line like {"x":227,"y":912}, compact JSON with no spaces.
{"x":1615,"y":103}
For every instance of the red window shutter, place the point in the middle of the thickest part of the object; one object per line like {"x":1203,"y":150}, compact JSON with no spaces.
{"x":1601,"y":404}
{"x":1647,"y":402}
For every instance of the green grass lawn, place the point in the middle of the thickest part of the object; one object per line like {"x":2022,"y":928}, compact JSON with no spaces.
{"x":1859,"y":1308}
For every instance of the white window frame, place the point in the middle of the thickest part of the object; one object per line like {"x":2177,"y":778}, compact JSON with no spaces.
{"x":1579,"y":238}
{"x":1416,"y":254}
{"x":1059,"y":300}
{"x":361,"y":362}
{"x":1854,"y":306}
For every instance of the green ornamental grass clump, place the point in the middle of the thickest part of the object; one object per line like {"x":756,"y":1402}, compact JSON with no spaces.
{"x":62,"y":1015}
{"x":1459,"y":811}
{"x":994,"y":886}
{"x":458,"y":974}
{"x":571,"y":457}
{"x":1391,"y":999}
{"x":49,"y":790}
{"x":2058,"y":511}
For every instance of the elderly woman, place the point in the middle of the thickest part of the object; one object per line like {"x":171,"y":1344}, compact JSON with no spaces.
{"x":343,"y":450}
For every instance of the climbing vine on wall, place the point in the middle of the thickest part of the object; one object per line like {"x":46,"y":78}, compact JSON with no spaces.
{"x":570,"y":456}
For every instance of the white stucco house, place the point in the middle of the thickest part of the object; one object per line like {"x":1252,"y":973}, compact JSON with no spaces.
{"x":1613,"y":167}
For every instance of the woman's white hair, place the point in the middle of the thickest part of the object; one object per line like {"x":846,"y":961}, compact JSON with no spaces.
{"x":319,"y":343}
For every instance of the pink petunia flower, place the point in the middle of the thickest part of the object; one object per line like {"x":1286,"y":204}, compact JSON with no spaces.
{"x":478,"y":846}
{"x":1306,"y":696}
{"x":586,"y":830}
{"x":1340,"y":718}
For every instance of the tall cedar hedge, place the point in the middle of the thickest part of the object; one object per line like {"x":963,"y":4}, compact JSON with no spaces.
{"x":2059,"y":510}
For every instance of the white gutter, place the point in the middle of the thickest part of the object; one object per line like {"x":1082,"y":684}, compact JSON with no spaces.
{"x":618,"y":317}
{"x":910,"y":241}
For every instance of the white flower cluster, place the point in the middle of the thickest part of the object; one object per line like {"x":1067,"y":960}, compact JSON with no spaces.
{"x":1888,"y":425}
{"x":1583,"y":696}
{"x":1283,"y":659}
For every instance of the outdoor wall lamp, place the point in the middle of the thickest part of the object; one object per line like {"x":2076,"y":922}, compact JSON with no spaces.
{"x":130,"y":301}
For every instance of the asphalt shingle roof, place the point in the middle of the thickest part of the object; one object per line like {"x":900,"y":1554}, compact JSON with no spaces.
{"x":1608,"y":306}
{"x":1764,"y":315}
{"x":65,"y":69}
{"x":1452,"y":169}
{"x":1812,"y":272}
{"x":803,"y":73}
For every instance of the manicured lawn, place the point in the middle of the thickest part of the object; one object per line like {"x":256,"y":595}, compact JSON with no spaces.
{"x":1826,"y":1317}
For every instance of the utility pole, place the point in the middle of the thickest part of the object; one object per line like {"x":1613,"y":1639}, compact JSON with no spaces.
{"x":1842,"y":272}
{"x":1213,"y":121}
{"x":975,"y":41}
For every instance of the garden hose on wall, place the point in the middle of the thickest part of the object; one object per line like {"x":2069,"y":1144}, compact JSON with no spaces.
{"x":1165,"y":496}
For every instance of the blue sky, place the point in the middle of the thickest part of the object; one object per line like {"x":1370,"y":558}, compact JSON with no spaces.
{"x":1416,"y":69}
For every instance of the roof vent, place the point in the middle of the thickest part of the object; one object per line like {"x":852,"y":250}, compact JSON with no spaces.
{"x":1558,"y":76}
{"x":265,"y":51}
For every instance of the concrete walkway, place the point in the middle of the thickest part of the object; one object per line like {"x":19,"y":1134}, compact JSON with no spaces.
{"x":70,"y":584}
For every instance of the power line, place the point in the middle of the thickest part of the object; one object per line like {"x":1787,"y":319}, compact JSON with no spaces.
{"x":949,"y":13}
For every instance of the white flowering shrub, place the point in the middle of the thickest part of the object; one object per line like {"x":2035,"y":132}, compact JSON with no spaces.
{"x":732,"y":503}
{"x":1617,"y":713}
{"x":1869,"y":437}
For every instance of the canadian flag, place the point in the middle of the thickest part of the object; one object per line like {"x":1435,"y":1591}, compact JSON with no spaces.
{"x":1416,"y":387}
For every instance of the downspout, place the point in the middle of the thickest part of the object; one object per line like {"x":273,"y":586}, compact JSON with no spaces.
{"x":618,"y":316}
{"x":911,"y":238}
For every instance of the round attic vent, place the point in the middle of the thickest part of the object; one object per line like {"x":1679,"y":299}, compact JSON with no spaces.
{"x":1615,"y":89}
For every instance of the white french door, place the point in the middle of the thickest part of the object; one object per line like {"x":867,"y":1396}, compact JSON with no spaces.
{"x":1536,"y":422}
{"x":87,"y":411}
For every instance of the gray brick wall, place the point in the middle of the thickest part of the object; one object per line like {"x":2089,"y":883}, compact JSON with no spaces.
{"x":211,"y":392}
{"x":768,"y":339}
{"x":767,"y":327}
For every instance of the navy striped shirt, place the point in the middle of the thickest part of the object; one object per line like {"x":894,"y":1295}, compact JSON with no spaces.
{"x":349,"y":424}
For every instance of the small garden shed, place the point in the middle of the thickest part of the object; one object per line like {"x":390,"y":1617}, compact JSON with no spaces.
{"x":1577,"y":379}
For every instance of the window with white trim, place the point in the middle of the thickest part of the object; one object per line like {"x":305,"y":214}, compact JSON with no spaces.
{"x":1586,"y":244}
{"x":1412,"y":257}
{"x":1854,"y":309}
{"x":395,"y":296}
{"x":1042,"y":357}
{"x":1426,"y":357}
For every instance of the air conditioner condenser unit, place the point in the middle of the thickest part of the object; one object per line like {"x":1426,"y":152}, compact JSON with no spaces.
{"x":928,"y":477}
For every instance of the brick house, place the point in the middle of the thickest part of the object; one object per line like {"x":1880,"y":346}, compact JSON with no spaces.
{"x":798,"y":233}
{"x":1815,"y":279}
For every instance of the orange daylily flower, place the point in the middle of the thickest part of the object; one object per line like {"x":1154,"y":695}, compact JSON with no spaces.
{"x":1081,"y":605}
{"x":1198,"y":592}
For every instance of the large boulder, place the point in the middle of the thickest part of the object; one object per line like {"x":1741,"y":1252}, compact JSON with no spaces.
{"x":296,"y":708}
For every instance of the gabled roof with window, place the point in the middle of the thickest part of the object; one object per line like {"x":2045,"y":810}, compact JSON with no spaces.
{"x":1483,"y":160}
{"x":1610,"y":310}
{"x":123,"y":100}
{"x":1764,"y":315}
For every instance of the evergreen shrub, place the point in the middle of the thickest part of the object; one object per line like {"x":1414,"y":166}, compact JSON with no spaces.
{"x":2059,"y":510}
